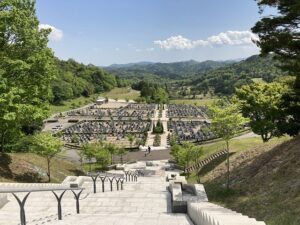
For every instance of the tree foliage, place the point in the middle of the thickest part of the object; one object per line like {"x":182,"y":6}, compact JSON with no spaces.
{"x":227,"y":121}
{"x":99,"y":151}
{"x":26,"y":70}
{"x":158,"y":128}
{"x":280,"y":34}
{"x":152,"y":92}
{"x":75,"y":80}
{"x":47,"y":146}
{"x":260,"y":102}
{"x":186,"y":153}
{"x":224,"y":80}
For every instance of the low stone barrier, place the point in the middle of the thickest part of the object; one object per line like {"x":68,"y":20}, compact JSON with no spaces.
{"x":178,"y":205}
{"x":206,"y":213}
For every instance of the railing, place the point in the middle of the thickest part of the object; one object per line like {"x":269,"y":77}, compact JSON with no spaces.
{"x":118,"y":178}
{"x":205,"y":161}
{"x":58,"y":197}
{"x":111,"y":177}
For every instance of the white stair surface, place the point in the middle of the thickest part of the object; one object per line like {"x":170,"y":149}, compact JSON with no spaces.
{"x":146,"y":202}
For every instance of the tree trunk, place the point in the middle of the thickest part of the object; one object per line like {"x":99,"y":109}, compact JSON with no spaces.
{"x":228,"y":170}
{"x":48,"y":173}
{"x":90,"y":164}
{"x":2,"y":142}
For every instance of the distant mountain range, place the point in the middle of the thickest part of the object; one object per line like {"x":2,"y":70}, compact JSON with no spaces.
{"x":129,"y":64}
{"x":176,"y":70}
{"x":220,"y":76}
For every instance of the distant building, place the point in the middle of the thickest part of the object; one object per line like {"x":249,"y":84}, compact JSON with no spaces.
{"x":101,"y":101}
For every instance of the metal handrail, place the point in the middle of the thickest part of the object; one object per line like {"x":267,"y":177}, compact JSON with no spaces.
{"x":28,"y":190}
{"x":119,"y":178}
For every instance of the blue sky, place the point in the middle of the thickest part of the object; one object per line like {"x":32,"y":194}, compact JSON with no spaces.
{"x":103,"y":32}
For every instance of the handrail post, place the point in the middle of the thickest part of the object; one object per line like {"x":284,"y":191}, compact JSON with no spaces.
{"x":117,"y":182}
{"x":111,"y":182}
{"x":58,"y":198}
{"x":77,"y":195}
{"x":103,"y":180}
{"x":122,"y":181}
{"x":22,"y":205}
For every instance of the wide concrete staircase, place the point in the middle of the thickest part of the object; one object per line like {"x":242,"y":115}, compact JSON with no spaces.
{"x":144,"y":202}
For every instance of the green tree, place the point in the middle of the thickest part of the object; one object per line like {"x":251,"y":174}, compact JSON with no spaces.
{"x":260,"y":102}
{"x":130,"y":138}
{"x":112,"y":149}
{"x":47,"y":146}
{"x":88,"y":152}
{"x":121,"y":152}
{"x":102,"y":156}
{"x":186,"y":153}
{"x":26,"y":70}
{"x":226,"y":122}
{"x":159,"y":128}
{"x":98,"y":151}
{"x":280,"y":34}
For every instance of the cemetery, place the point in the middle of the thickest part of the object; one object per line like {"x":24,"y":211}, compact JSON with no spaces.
{"x":187,"y":111}
{"x":113,"y":122}
{"x":125,"y":118}
{"x":194,"y":131}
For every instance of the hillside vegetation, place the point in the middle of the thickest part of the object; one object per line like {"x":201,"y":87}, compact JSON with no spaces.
{"x":28,"y":167}
{"x":176,"y":70}
{"x":224,"y":80}
{"x":220,"y":78}
{"x":265,"y":182}
{"x":74,"y":80}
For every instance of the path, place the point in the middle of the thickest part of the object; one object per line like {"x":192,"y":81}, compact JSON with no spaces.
{"x":146,"y":202}
{"x":164,"y":137}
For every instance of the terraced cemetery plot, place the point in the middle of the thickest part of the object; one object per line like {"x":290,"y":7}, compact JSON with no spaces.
{"x":195,"y":131}
{"x":110,"y":125}
{"x":182,"y":111}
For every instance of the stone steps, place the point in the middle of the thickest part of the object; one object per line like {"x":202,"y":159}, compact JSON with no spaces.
{"x":143,"y":218}
{"x":144,"y":202}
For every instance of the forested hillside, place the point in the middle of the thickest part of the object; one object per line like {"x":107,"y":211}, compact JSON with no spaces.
{"x":177,"y":70}
{"x":74,"y":79}
{"x":224,"y":80}
{"x":220,"y":78}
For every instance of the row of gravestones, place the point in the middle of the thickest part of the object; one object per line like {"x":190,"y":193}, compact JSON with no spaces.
{"x":191,"y":130}
{"x":185,"y":111}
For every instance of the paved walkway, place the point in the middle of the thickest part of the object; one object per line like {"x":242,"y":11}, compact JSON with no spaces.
{"x":146,"y":202}
{"x":164,"y":137}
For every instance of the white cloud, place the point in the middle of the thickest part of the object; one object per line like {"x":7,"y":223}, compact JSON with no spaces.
{"x":117,"y":49}
{"x":224,"y":38}
{"x":55,"y":35}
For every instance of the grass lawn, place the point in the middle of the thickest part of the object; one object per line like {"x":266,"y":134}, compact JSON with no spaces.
{"x":235,"y":146}
{"x":68,"y":105}
{"x":198,"y":102}
{"x":122,"y":93}
{"x":263,"y":178}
